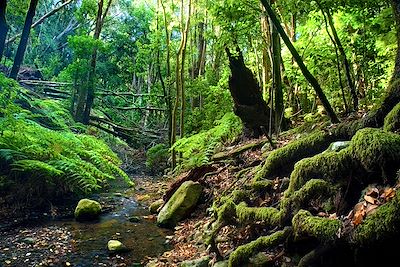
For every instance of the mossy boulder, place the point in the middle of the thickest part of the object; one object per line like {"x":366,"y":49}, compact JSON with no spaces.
{"x":155,"y":206}
{"x":180,"y":204}
{"x":115,"y":246}
{"x":87,"y":210}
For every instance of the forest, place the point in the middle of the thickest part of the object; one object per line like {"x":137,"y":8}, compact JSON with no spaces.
{"x":199,"y":133}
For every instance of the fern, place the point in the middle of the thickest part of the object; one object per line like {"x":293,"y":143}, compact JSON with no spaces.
{"x":33,"y":153}
{"x":198,"y":149}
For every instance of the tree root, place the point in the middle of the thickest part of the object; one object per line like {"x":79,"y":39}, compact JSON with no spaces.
{"x":323,"y":229}
{"x":244,"y":252}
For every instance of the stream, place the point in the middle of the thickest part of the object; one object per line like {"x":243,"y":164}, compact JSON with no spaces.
{"x":65,"y":242}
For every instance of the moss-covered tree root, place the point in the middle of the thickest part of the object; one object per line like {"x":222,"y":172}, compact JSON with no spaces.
{"x":244,"y":252}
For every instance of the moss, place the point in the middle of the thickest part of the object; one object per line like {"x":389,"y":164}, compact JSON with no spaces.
{"x":270,"y":216}
{"x":324,"y":229}
{"x":87,"y":210}
{"x":283,"y":159}
{"x":181,"y":202}
{"x":326,"y":166}
{"x":242,"y":254}
{"x":313,"y":189}
{"x":392,"y":119}
{"x":261,"y":185}
{"x":376,"y":149}
{"x":379,"y":225}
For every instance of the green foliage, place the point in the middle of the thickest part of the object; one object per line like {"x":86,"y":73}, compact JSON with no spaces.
{"x":157,"y":157}
{"x":45,"y":160}
{"x":197,"y":149}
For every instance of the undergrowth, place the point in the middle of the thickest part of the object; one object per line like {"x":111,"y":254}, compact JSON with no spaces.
{"x":198,"y":149}
{"x":38,"y":161}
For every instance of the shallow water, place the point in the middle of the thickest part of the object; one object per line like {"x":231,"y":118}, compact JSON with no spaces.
{"x":85,"y":244}
{"x":143,"y":238}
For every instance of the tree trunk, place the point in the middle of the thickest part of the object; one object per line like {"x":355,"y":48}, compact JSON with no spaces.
{"x":307,"y":74}
{"x":337,"y":57}
{"x":247,"y":96}
{"x":345,"y":61}
{"x":277,"y":78}
{"x":179,"y":76}
{"x":86,"y":96}
{"x":3,"y":26}
{"x":19,"y":56}
{"x":396,"y":11}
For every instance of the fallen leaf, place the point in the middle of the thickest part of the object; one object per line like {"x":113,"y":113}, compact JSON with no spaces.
{"x":370,"y":199}
{"x":388,"y":193}
{"x":373,"y":192}
{"x":371,"y":209}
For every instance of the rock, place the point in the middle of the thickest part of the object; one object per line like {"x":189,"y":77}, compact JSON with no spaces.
{"x":116,"y":246}
{"x":155,"y":206}
{"x":337,"y":146}
{"x":29,"y":240}
{"x":87,"y":210}
{"x":221,"y":264}
{"x":180,"y":204}
{"x":134,"y":219}
{"x":201,"y":262}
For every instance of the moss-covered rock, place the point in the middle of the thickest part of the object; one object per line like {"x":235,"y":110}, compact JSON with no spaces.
{"x":180,"y":204}
{"x":87,"y":210}
{"x":155,"y":206}
{"x":115,"y":246}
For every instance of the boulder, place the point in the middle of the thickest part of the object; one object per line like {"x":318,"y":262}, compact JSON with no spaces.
{"x":155,"y":206}
{"x":339,"y":145}
{"x":115,"y":246}
{"x":87,"y":210}
{"x":180,"y":204}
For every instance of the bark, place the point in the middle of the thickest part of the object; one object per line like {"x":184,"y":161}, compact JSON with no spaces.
{"x":19,"y":56}
{"x":307,"y":74}
{"x":247,"y":96}
{"x":3,"y":26}
{"x":277,"y":77}
{"x":90,"y":94}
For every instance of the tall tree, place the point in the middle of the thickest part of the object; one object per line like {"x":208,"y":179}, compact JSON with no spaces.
{"x":86,"y":96}
{"x":3,"y":26}
{"x":307,"y":74}
{"x":19,"y":56}
{"x":180,"y":78}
